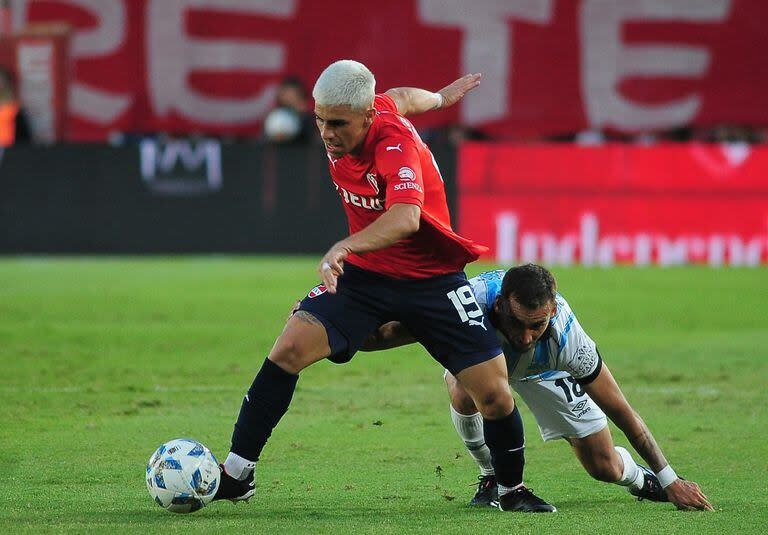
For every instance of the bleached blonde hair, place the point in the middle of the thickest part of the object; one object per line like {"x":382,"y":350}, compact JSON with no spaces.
{"x":345,"y":83}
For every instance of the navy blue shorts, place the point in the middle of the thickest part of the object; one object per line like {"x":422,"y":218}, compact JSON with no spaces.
{"x":440,"y":312}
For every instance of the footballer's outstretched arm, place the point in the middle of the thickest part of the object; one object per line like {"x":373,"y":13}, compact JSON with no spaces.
{"x":606,"y":393}
{"x":412,"y":100}
{"x":398,"y":222}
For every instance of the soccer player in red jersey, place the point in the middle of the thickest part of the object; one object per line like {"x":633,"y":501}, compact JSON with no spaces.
{"x":401,"y":261}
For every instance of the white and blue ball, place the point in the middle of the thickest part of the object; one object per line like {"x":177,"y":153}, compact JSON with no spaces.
{"x":183,"y":476}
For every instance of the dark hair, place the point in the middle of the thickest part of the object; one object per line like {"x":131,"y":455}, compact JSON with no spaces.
{"x":531,"y":285}
{"x":295,"y":83}
{"x":7,"y":74}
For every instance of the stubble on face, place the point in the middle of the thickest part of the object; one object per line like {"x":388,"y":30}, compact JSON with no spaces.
{"x":523,"y":326}
{"x":342,"y":129}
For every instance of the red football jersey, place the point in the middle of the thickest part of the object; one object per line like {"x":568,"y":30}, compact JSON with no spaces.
{"x":395,"y":166}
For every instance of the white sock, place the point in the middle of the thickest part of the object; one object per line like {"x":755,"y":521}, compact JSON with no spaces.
{"x":238,"y":467}
{"x":632,"y":476}
{"x":470,"y":429}
{"x":506,"y":490}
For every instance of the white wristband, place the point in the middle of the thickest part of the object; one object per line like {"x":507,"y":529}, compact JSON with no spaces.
{"x":440,"y":101}
{"x":666,"y":476}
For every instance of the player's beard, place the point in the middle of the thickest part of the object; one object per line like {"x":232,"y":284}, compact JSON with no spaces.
{"x":522,"y":348}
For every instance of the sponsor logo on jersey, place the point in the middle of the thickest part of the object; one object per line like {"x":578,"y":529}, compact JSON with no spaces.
{"x":585,"y":358}
{"x":369,"y":203}
{"x":406,"y":173}
{"x":320,"y":289}
{"x":402,"y":186}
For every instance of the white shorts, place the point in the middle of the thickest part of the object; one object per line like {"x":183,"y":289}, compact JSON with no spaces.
{"x":561,"y":408}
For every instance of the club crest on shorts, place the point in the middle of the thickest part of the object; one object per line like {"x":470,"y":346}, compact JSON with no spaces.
{"x":320,"y":289}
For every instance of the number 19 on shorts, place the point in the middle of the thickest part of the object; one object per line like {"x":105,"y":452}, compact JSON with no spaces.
{"x":466,"y":305}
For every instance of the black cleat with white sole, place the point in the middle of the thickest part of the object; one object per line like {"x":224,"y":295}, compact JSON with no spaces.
{"x":233,"y":489}
{"x":487,"y":494}
{"x":523,"y":500}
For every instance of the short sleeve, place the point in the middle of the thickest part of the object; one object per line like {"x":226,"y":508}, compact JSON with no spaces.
{"x":480,"y":290}
{"x":383,"y":102}
{"x":486,"y":286}
{"x":577,"y":351}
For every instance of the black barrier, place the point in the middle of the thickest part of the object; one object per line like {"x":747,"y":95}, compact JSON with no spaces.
{"x":179,"y":197}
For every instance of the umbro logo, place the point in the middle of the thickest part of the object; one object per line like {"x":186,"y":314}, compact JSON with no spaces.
{"x":580,"y":405}
{"x":395,"y":147}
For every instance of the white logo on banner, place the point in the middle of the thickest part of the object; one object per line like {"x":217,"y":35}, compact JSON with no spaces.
{"x":485,"y":46}
{"x":181,"y":168}
{"x":176,"y":54}
{"x":736,"y":153}
{"x":102,"y":39}
{"x":514,"y":246}
{"x":36,"y":88}
{"x":607,"y":60}
{"x":722,"y":160}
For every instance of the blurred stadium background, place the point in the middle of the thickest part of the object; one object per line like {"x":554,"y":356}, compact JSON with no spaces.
{"x":605,"y":133}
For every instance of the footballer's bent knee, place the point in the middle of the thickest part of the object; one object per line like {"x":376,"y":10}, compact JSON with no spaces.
{"x":302,"y":342}
{"x":461,"y":401}
{"x":495,"y":403}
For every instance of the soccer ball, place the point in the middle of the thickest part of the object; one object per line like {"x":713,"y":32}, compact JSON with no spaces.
{"x":182,"y":476}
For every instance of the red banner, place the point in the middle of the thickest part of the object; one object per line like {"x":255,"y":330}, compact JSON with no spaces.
{"x":665,"y":204}
{"x":549,"y":66}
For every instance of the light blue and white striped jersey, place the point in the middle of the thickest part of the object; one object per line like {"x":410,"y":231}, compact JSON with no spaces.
{"x":565,"y":349}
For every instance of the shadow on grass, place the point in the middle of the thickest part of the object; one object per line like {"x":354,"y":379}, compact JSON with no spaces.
{"x":297,"y":515}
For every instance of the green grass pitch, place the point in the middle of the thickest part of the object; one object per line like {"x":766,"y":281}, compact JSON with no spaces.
{"x":104,"y":359}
